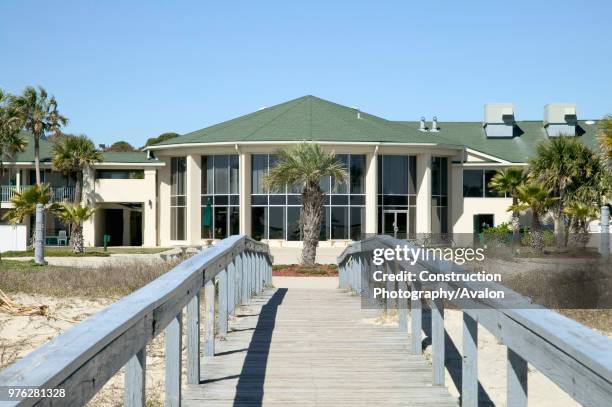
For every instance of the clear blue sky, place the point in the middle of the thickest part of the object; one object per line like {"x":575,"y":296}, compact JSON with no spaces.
{"x":132,"y":70}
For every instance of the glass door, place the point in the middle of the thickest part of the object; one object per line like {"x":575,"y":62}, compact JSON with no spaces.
{"x":395,"y":223}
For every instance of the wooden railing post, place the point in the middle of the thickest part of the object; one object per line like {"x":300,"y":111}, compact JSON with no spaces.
{"x":437,"y":341}
{"x":402,"y":303}
{"x":416,"y":321}
{"x":516,"y":380}
{"x":209,"y":321}
{"x":231,"y":288}
{"x":223,"y":289}
{"x":174,"y":361}
{"x":244,"y":268}
{"x":356,"y":274}
{"x":469,"y":386}
{"x":390,"y":303}
{"x":135,"y":373}
{"x":257,"y":273}
{"x":193,"y":340}
{"x":250,"y":279}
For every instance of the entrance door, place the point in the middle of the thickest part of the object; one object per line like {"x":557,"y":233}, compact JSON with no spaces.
{"x":395,"y":223}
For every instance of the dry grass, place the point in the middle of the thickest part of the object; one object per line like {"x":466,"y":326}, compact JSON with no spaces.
{"x":583,"y":293}
{"x":104,"y":282}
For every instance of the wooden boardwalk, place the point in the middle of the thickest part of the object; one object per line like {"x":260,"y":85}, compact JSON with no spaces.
{"x":313,"y":347}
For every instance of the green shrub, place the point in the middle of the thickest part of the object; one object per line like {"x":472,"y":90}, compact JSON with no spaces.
{"x":501,"y":233}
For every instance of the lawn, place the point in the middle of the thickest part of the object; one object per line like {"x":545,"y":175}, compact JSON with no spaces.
{"x":89,"y":251}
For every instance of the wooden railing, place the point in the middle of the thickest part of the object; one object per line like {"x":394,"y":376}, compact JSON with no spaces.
{"x":84,"y":358}
{"x":576,"y":358}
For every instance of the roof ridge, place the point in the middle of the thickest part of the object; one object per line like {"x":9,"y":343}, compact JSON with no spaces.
{"x":230,"y":122}
{"x":277,"y":116}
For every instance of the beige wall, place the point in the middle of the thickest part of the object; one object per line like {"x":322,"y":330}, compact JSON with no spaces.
{"x":464,"y":209}
{"x":106,"y":191}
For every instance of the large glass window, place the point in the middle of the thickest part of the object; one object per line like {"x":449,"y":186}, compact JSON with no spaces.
{"x":476,"y":184}
{"x":220,"y":199}
{"x":178,"y":197}
{"x":278,"y":214}
{"x":119,"y":174}
{"x":439,"y":195}
{"x":397,"y":195}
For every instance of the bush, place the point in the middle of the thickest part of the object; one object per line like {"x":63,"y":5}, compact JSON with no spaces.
{"x":501,"y":234}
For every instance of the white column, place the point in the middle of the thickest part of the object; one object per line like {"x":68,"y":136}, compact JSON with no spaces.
{"x":371,"y":199}
{"x":164,"y":203}
{"x":423,"y":210}
{"x":194,"y":198}
{"x":126,"y":227}
{"x":245,"y":194}
{"x":149,"y":210}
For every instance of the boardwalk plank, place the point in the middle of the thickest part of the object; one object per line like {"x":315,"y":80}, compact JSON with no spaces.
{"x":308,"y":347}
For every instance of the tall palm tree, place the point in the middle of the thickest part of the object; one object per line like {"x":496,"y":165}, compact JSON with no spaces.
{"x":71,"y":155}
{"x":74,"y":215}
{"x":506,"y":181}
{"x":11,"y":142}
{"x":538,"y":199}
{"x":562,"y":164}
{"x":38,"y":114}
{"x":605,"y":137}
{"x":303,"y":166}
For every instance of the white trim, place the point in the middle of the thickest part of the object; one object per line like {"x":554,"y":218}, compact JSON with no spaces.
{"x":247,"y":143}
{"x":487,"y":156}
{"x":477,"y":164}
{"x":110,"y":164}
{"x":120,"y":164}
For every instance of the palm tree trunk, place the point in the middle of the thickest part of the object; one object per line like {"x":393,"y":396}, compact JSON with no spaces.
{"x":516,"y":224}
{"x":37,"y":158}
{"x":312,"y":203}
{"x":78,"y":187}
{"x":537,"y":239}
{"x":559,"y":220}
{"x":76,"y":238}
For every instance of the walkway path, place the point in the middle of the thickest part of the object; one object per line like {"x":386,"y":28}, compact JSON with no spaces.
{"x":313,"y":346}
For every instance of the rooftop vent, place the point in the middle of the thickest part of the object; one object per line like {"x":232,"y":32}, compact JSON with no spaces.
{"x":434,"y":124}
{"x":560,"y":119}
{"x":422,"y":124}
{"x":498,"y":120}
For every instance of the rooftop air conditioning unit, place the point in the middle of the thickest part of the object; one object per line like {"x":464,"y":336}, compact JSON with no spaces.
{"x":560,"y":119}
{"x":498,"y":120}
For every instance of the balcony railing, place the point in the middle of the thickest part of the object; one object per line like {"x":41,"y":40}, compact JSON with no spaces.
{"x":58,"y":194}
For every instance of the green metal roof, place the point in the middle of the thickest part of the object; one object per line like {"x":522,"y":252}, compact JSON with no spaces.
{"x":132,"y":157}
{"x":313,"y":119}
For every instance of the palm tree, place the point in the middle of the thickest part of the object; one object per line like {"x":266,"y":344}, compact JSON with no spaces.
{"x":605,"y":137}
{"x":506,"y":181}
{"x":538,"y":199}
{"x":24,"y":202}
{"x":303,"y":166}
{"x":71,"y":155}
{"x":74,"y":215}
{"x":580,"y":214}
{"x":11,"y":142}
{"x":38,"y":114}
{"x":562,"y":164}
